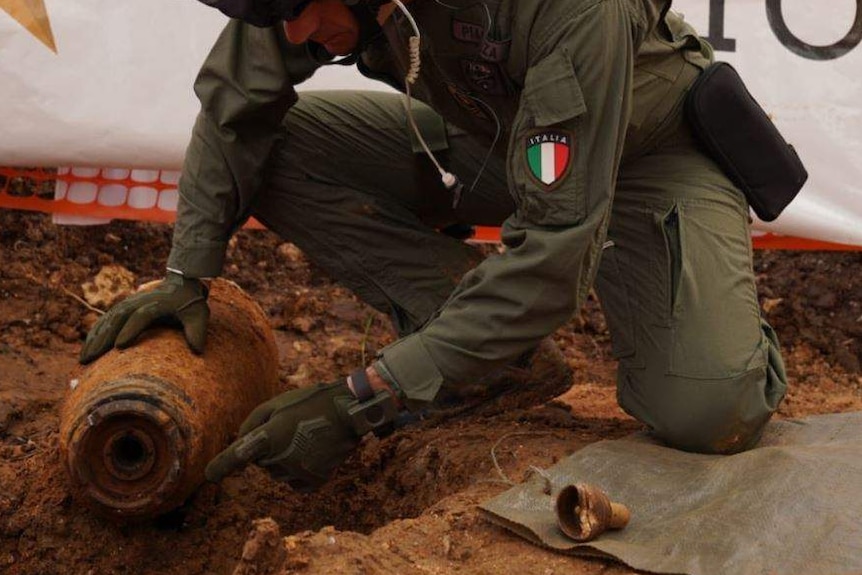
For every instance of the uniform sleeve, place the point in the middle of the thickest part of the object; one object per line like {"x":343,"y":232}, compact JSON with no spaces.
{"x":245,"y":88}
{"x":562,"y":164}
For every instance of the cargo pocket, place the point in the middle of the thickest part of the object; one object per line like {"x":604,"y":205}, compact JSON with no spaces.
{"x":548,"y":186}
{"x":715,"y":317}
{"x":616,"y":305}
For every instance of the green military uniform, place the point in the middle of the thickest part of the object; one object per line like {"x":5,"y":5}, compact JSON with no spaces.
{"x":569,"y":112}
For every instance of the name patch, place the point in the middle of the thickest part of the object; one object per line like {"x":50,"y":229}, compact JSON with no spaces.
{"x":494,"y":50}
{"x":467,"y":32}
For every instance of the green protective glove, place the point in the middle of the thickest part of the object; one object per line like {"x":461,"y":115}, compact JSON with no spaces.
{"x":176,"y":300}
{"x":302,"y":435}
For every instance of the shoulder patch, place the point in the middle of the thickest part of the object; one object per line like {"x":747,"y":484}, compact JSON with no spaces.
{"x":549,"y":156}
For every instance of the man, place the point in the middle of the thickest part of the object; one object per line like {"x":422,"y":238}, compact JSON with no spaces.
{"x":563,"y":120}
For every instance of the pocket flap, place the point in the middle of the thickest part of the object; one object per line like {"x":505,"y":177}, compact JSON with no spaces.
{"x":552,"y":90}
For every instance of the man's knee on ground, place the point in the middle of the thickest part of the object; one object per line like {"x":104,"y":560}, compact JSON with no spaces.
{"x":711,"y":436}
{"x":704,"y":416}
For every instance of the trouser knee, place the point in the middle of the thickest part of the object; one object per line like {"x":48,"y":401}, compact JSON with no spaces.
{"x":714,"y":425}
{"x":706,"y":416}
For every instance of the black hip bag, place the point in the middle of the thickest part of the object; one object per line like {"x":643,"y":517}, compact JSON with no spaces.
{"x":743,"y":141}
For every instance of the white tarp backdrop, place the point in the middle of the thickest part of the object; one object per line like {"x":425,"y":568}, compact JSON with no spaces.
{"x":108,"y":83}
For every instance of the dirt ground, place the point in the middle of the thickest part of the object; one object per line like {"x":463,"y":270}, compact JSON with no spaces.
{"x":403,"y":504}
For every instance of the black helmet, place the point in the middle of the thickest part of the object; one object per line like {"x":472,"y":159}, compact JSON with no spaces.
{"x":263,"y":13}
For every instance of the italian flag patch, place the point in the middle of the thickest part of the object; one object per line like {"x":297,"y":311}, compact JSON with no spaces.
{"x":549,"y":155}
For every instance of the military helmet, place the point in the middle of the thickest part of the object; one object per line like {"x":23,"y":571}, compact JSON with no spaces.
{"x":264,"y":13}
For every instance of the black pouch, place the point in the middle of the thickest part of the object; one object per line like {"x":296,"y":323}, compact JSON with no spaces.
{"x":743,"y":141}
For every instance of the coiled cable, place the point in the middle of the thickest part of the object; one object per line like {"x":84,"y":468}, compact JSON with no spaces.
{"x":449,"y":179}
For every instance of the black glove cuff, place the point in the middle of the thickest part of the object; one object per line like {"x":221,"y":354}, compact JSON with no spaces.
{"x":360,"y":385}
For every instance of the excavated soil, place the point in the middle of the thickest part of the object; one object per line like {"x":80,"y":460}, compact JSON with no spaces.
{"x":401,"y":504}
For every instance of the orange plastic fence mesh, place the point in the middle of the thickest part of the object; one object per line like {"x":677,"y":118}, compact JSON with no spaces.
{"x":104,"y":193}
{"x":151,"y":195}
{"x":147,"y":195}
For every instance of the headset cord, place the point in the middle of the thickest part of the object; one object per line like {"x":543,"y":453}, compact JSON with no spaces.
{"x":450,"y":180}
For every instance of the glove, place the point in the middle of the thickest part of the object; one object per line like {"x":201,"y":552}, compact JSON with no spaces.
{"x":302,"y":435}
{"x":176,"y":300}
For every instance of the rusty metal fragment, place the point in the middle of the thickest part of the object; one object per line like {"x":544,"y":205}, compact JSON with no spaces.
{"x":584,"y":512}
{"x":139,"y":425}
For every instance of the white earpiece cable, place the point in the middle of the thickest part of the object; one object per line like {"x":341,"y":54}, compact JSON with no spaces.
{"x":449,"y":179}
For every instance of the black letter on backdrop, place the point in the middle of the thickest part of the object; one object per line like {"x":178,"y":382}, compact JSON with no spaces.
{"x":716,"y":28}
{"x":797,"y":46}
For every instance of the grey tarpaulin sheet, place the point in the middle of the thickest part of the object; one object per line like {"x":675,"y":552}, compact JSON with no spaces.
{"x":792,"y":505}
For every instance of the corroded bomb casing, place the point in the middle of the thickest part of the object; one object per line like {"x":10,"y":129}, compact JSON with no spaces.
{"x":140,"y":425}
